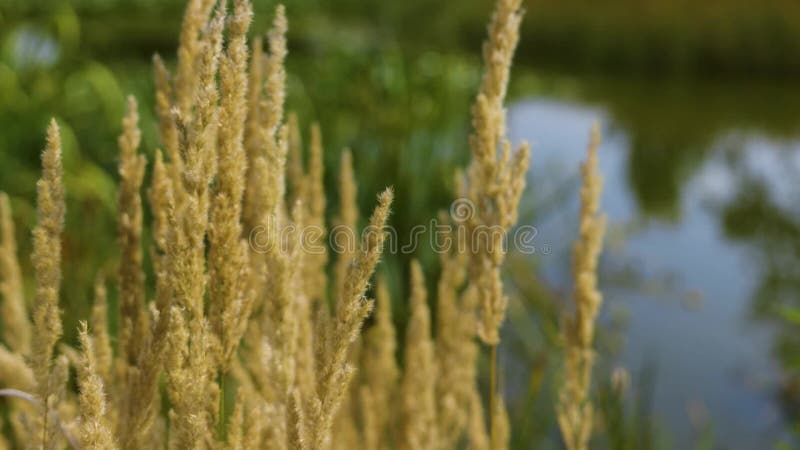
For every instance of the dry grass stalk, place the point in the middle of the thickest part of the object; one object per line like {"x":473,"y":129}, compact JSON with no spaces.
{"x":252,"y":137}
{"x":47,"y":265}
{"x":294,"y":170}
{"x":274,"y":337}
{"x":129,"y":223}
{"x":496,"y":179}
{"x":95,"y":431}
{"x":101,"y":339}
{"x":419,"y":378}
{"x":236,"y":424}
{"x":14,"y":312}
{"x":574,"y":408}
{"x":305,"y":363}
{"x":380,"y":371}
{"x":254,"y":426}
{"x":190,"y":424}
{"x":139,"y":404}
{"x":307,"y":187}
{"x":346,"y":435}
{"x":495,"y":182}
{"x":476,"y":429}
{"x":229,"y":304}
{"x":456,"y":347}
{"x":160,"y":196}
{"x":190,"y":49}
{"x":266,"y":182}
{"x":347,"y":220}
{"x":347,"y":432}
{"x":192,"y":393}
{"x":280,"y":336}
{"x":345,"y":237}
{"x":14,"y":372}
{"x":134,"y":415}
{"x":170,"y":139}
{"x":315,"y":275}
{"x":140,"y":408}
{"x":168,"y":131}
{"x":336,"y":372}
{"x":275,"y":74}
{"x":501,"y":429}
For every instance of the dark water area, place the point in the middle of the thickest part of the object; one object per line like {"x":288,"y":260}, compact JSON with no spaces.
{"x":700,"y":261}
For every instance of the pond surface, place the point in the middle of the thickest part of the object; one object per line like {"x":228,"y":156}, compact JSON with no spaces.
{"x":701,"y":257}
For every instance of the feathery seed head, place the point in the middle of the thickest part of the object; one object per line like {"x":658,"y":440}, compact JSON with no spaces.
{"x":16,"y":325}
{"x":129,"y":224}
{"x":419,"y":380}
{"x":94,"y":429}
{"x":495,"y":183}
{"x":574,"y":407}
{"x":47,"y":261}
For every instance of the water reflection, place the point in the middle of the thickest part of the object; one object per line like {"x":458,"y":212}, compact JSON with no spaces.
{"x":671,"y":126}
{"x":705,"y":237}
{"x":762,"y":214}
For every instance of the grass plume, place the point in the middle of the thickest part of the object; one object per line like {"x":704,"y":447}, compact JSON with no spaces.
{"x":244,"y":336}
{"x":13,"y":310}
{"x":495,"y":181}
{"x":95,"y":430}
{"x":419,"y":377}
{"x":574,"y":409}
{"x":47,"y":266}
{"x":129,"y":224}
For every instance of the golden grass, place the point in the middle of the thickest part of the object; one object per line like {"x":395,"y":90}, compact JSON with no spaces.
{"x":574,"y":409}
{"x":243,"y":335}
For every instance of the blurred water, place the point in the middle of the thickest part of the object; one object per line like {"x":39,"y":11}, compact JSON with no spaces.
{"x":688,"y":257}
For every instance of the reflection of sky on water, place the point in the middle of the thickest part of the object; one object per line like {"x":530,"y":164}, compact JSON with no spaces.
{"x":685,"y":286}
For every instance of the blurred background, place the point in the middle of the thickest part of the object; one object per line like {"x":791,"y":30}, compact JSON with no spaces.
{"x":698,"y":105}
